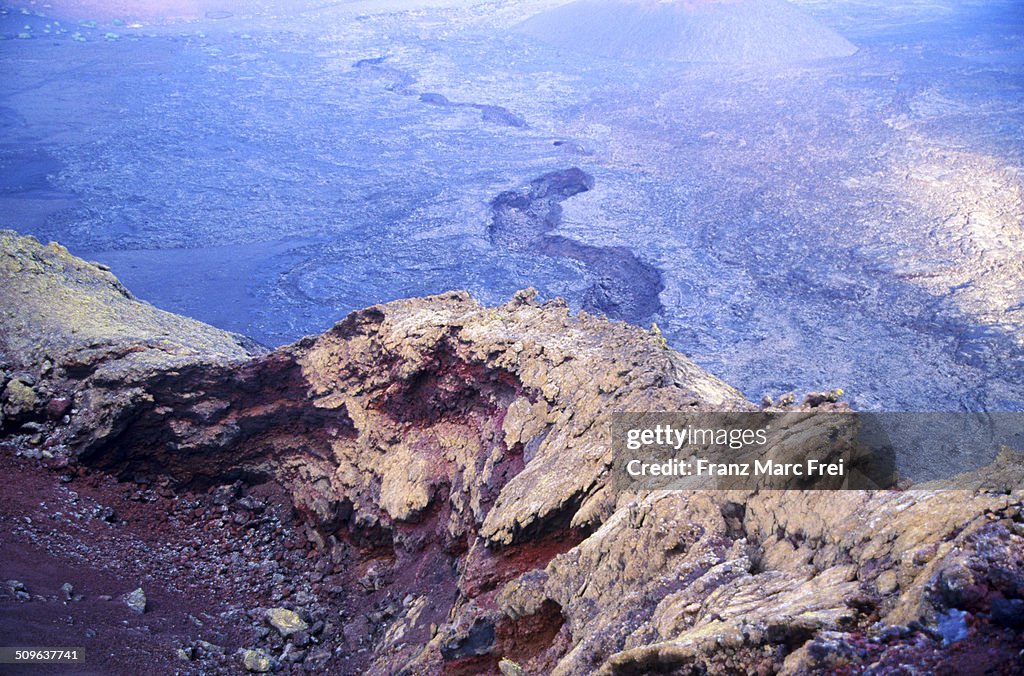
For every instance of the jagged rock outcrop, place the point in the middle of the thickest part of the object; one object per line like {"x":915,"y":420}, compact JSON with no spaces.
{"x":66,"y":320}
{"x":453,"y":461}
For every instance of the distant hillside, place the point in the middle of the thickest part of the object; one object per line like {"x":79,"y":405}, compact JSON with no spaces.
{"x":713,"y":31}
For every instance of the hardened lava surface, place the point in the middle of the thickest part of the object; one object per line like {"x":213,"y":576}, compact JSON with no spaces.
{"x":850,"y":219}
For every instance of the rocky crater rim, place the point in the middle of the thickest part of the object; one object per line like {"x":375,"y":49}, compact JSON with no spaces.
{"x":455,"y":456}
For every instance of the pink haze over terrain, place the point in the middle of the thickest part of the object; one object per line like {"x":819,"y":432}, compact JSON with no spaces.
{"x":135,"y":9}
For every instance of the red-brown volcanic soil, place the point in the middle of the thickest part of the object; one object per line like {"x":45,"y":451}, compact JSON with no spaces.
{"x":208,"y":570}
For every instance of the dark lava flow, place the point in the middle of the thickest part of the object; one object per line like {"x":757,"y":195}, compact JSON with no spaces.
{"x":488,"y":113}
{"x":402,"y":81}
{"x":626,"y":288}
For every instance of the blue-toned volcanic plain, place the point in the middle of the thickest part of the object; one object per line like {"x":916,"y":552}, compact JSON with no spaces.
{"x":801,"y":195}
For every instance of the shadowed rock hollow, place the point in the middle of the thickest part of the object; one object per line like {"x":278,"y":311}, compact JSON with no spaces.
{"x":442,"y":472}
{"x":712,"y":31}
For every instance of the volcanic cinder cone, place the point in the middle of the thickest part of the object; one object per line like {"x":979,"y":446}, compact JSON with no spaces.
{"x":712,"y":31}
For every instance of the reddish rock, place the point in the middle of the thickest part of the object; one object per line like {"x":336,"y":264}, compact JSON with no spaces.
{"x":58,"y":407}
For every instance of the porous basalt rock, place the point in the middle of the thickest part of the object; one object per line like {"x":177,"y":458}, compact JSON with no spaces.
{"x":287,"y":622}
{"x":456,"y":458}
{"x":19,"y":400}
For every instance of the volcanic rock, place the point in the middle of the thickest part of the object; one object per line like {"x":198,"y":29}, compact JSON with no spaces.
{"x":136,"y":601}
{"x":19,"y":590}
{"x":1008,"y":612}
{"x":287,"y":622}
{"x":457,"y":456}
{"x":256,"y":660}
{"x":68,"y":591}
{"x":19,"y":400}
{"x":509,"y":668}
